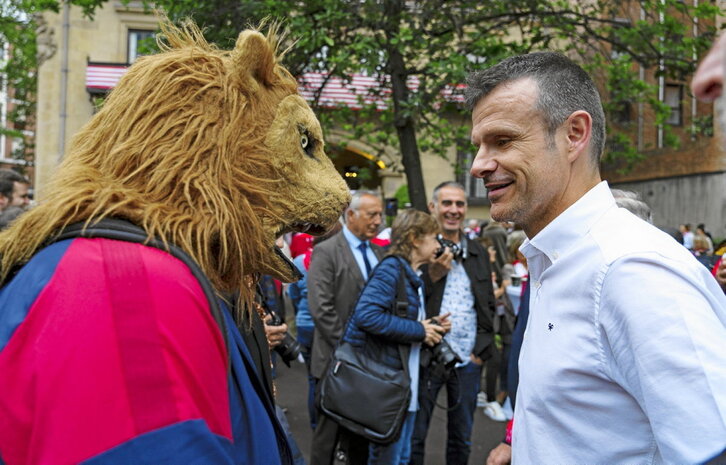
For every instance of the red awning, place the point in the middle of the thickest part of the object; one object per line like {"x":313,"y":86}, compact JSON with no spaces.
{"x":360,"y":90}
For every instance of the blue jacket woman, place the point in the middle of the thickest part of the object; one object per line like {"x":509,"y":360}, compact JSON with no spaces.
{"x":374,"y":328}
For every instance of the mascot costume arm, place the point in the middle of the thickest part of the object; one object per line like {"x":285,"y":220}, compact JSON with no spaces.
{"x":108,"y":350}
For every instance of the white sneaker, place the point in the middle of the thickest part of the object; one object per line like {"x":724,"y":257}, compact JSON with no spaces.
{"x":481,"y":399}
{"x":507,"y":408}
{"x":494,"y":411}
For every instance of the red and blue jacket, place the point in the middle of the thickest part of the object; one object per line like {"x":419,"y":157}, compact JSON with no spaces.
{"x":109,"y":355}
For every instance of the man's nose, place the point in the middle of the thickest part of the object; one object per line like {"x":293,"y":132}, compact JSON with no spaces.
{"x":482,"y":164}
{"x":707,"y":84}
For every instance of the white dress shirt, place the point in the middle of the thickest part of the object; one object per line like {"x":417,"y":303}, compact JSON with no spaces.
{"x":624,"y":355}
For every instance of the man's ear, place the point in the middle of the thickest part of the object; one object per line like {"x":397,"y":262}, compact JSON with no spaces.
{"x":579,"y":133}
{"x":4,"y":201}
{"x":431,"y":207}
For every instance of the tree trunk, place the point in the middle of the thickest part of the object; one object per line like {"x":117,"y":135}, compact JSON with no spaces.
{"x":402,"y":114}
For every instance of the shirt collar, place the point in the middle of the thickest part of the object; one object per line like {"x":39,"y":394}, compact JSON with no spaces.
{"x":571,"y":225}
{"x":353,"y":241}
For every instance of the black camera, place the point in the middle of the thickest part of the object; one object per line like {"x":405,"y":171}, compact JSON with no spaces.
{"x":288,"y":349}
{"x":453,"y":246}
{"x":442,"y":354}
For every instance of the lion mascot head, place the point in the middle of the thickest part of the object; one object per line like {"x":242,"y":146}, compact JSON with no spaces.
{"x":211,"y":150}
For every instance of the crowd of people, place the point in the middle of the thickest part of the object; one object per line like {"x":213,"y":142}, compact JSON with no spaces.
{"x":487,"y":387}
{"x":559,"y":254}
{"x":143,"y":306}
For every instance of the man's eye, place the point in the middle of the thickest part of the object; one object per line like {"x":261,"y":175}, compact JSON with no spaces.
{"x":503,"y":141}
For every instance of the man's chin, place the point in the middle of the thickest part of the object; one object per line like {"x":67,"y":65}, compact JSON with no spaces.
{"x":499,"y":214}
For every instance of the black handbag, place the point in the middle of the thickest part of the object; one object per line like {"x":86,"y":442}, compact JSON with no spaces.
{"x":364,"y":395}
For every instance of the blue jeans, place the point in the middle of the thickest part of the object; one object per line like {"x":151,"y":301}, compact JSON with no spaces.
{"x":397,"y":453}
{"x":297,"y":457}
{"x":305,"y":338}
{"x":462,"y":385}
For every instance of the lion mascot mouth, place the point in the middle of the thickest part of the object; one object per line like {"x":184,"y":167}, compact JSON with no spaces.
{"x":212,"y":150}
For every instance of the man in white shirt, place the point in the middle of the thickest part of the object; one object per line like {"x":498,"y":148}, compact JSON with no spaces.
{"x":623,"y":358}
{"x":685,"y":230}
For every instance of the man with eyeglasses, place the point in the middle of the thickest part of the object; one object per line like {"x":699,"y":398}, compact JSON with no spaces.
{"x":339,"y":268}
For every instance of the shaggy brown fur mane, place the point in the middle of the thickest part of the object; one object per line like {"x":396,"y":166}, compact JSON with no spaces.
{"x":178,"y":148}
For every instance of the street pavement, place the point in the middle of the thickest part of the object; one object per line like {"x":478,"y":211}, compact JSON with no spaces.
{"x":291,"y":385}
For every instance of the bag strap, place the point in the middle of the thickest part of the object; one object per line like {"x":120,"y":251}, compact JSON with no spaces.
{"x":401,"y":310}
{"x":122,"y":230}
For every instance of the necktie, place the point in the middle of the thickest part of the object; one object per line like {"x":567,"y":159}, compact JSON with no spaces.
{"x":363,"y":248}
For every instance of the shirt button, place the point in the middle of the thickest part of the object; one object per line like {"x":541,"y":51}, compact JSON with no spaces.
{"x":556,"y":255}
{"x":537,"y":284}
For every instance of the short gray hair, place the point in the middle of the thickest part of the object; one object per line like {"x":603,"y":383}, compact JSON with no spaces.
{"x":356,"y":199}
{"x":630,"y":201}
{"x":564,"y":88}
{"x":435,"y":195}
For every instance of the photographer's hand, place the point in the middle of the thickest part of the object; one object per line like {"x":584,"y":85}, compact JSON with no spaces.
{"x":274,"y":334}
{"x":434,"y":332}
{"x":444,"y":321}
{"x":440,"y":266}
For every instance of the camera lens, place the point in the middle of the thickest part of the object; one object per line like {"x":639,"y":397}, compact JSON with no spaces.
{"x":444,"y":355}
{"x":289,"y":349}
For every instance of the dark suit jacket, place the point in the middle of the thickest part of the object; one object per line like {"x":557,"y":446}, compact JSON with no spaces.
{"x":480,"y":274}
{"x":253,"y":334}
{"x":334,"y":284}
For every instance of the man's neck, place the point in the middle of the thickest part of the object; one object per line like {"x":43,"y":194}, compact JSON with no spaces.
{"x":352,"y":234}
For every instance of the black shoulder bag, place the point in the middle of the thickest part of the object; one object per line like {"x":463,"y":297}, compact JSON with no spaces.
{"x":364,"y":395}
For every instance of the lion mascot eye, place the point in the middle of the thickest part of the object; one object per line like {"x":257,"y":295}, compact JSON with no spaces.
{"x":307,"y":142}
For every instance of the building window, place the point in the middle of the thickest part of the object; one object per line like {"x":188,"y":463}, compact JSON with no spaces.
{"x":673,"y":98}
{"x":138,"y":43}
{"x":474,"y":187}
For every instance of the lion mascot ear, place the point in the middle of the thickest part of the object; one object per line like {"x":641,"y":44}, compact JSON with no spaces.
{"x":253,"y":61}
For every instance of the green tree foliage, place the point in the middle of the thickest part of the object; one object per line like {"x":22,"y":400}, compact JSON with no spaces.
{"x":17,"y":72}
{"x":437,"y":42}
